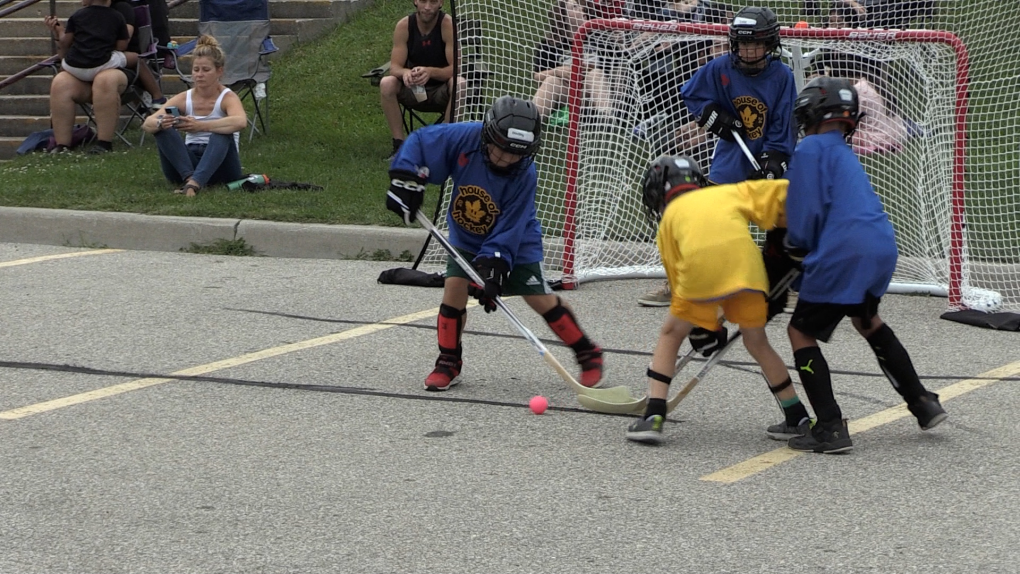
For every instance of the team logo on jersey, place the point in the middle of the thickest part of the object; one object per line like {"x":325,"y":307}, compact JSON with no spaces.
{"x":751,"y":112}
{"x":474,"y":210}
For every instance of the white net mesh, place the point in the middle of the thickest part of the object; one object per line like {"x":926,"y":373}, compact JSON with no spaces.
{"x":940,"y":142}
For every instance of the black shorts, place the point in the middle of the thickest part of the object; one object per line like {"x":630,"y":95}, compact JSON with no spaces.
{"x":819,"y":320}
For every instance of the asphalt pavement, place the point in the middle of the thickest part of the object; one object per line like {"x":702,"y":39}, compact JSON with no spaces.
{"x":173,"y":412}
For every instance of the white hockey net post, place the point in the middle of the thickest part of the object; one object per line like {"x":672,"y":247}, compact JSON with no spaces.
{"x":942,"y":150}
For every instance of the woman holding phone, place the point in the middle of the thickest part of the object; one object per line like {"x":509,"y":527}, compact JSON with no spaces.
{"x":211,"y":118}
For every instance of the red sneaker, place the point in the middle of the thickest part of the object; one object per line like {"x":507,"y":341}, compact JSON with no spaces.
{"x":445,"y":374}
{"x":591,"y":367}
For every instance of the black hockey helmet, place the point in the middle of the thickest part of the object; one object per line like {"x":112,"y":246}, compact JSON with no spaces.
{"x":666,"y":178}
{"x":514,"y":126}
{"x":754,"y":24}
{"x":827,"y":99}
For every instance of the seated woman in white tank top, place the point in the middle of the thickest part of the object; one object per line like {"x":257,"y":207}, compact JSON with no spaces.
{"x":212,"y":121}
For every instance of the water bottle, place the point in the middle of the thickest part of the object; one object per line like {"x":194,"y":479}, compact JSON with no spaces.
{"x":255,"y":179}
{"x":171,"y":45}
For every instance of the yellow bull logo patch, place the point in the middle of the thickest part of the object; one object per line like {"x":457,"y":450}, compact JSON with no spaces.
{"x":474,"y":210}
{"x":751,"y":113}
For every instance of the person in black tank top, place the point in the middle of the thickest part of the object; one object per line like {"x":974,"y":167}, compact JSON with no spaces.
{"x":422,"y":58}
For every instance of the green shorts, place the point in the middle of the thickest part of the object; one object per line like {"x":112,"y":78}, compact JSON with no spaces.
{"x":527,"y":279}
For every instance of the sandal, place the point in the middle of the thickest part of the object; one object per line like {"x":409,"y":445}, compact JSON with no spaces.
{"x":190,"y":189}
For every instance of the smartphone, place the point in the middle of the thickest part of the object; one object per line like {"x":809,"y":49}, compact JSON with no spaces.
{"x":173,"y":111}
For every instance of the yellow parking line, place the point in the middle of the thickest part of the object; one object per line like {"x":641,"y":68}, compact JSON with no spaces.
{"x":42,"y":258}
{"x":766,"y":461}
{"x":110,"y":391}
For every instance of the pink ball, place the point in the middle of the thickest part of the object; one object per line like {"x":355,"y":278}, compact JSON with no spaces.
{"x":538,"y":404}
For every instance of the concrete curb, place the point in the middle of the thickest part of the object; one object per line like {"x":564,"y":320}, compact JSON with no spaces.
{"x":165,"y":233}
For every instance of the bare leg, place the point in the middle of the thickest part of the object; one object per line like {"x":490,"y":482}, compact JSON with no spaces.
{"x":106,"y":91}
{"x":550,"y":95}
{"x":771,"y":363}
{"x":65,"y":91}
{"x":389,"y":87}
{"x":671,"y":336}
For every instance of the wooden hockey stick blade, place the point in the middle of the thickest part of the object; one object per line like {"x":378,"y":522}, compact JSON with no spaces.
{"x":602,"y":400}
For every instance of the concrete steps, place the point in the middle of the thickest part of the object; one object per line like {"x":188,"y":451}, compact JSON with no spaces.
{"x":25,"y":41}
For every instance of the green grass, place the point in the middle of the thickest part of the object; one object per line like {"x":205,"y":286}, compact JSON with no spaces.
{"x":326,"y":128}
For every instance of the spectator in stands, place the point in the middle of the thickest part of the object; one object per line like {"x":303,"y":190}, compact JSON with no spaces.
{"x":421,"y":66}
{"x":553,"y":62}
{"x":211,"y":117}
{"x":881,"y":128}
{"x":93,"y":59}
{"x":897,"y":14}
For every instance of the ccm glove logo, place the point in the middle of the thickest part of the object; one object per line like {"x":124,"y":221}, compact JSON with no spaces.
{"x":408,"y":185}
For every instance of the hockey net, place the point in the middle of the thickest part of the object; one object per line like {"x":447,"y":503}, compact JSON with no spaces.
{"x":939,"y":142}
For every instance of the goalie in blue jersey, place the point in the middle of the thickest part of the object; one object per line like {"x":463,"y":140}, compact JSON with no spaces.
{"x":493,"y":222}
{"x":749,"y":91}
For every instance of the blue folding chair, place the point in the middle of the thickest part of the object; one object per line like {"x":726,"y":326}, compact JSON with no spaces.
{"x":242,"y":29}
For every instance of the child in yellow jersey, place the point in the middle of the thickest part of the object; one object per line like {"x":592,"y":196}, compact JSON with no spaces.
{"x":713,"y":265}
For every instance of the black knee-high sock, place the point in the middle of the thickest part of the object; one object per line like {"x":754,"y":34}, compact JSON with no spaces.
{"x":895,"y":362}
{"x":814,"y":375}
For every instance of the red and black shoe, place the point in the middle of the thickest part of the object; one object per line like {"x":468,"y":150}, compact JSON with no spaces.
{"x":591,"y":366}
{"x":445,"y":374}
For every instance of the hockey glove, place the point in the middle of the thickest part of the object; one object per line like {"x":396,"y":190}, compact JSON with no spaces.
{"x":708,"y":342}
{"x":494,"y":272}
{"x":777,"y":265}
{"x":773,"y":165}
{"x":714,"y":119}
{"x":406,"y":193}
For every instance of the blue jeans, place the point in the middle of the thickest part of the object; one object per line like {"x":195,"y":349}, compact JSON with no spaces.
{"x":216,"y":162}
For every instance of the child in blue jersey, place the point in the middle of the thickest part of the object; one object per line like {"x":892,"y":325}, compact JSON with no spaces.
{"x":836,"y":225}
{"x":749,"y":91}
{"x":492,"y":221}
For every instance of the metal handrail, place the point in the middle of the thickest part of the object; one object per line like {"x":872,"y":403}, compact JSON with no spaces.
{"x":48,"y":62}
{"x":16,"y":7}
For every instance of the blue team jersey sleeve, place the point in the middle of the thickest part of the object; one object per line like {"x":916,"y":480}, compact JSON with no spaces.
{"x":702,"y":88}
{"x":806,"y":196}
{"x":781,"y":131}
{"x":436,"y":148}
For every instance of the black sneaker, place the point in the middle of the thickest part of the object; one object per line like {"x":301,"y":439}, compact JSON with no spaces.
{"x":929,"y":411}
{"x":98,"y":150}
{"x":827,"y":439}
{"x":786,"y":431}
{"x":646,"y":430}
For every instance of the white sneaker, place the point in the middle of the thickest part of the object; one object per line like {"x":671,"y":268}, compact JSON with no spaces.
{"x":661,"y":297}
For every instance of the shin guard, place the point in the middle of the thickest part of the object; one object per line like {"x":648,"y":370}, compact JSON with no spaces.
{"x":449,"y":328}
{"x":588,"y":354}
{"x":813,"y":371}
{"x":895,"y":362}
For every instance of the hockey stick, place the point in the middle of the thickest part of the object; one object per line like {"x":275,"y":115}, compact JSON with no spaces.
{"x":603,"y":400}
{"x":671,"y":404}
{"x":747,"y":152}
{"x":638,"y":405}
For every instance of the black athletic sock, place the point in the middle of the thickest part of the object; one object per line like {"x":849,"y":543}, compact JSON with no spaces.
{"x":656,"y":407}
{"x":813,"y":371}
{"x":895,"y":362}
{"x":793,"y":409}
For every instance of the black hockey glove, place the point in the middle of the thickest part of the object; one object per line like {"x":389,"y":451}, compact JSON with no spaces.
{"x":406,"y":193}
{"x":718,"y":121}
{"x":773,"y":165}
{"x":708,"y":342}
{"x":777,"y":265}
{"x":494,"y":272}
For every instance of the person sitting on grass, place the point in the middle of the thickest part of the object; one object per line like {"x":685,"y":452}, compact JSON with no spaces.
{"x":211,"y":118}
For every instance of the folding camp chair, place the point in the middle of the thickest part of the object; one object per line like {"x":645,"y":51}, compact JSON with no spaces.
{"x":242,"y":29}
{"x":135,"y":98}
{"x":411,"y":116}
